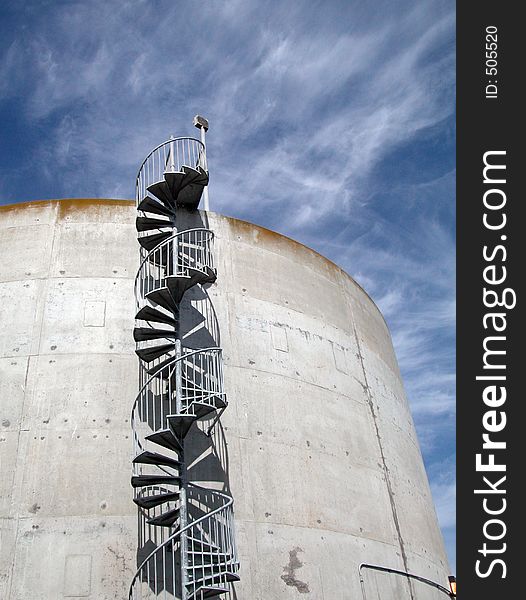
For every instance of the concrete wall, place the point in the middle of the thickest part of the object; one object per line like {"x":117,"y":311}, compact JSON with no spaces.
{"x":323,"y":460}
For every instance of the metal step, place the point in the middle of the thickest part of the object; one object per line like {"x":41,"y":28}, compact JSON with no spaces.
{"x":167,"y":519}
{"x":174,"y":181}
{"x":163,"y":297}
{"x":194,"y":175}
{"x":201,"y":275}
{"x":207,"y":592}
{"x":147,"y":223}
{"x":170,"y":293}
{"x":166,"y":439}
{"x":200,"y":409}
{"x":161,"y":190}
{"x":211,"y":276}
{"x":153,"y":501}
{"x":179,"y":284}
{"x":142,"y":334}
{"x":190,"y":196}
{"x":148,"y":313}
{"x":152,"y":352}
{"x":149,"y":242}
{"x":146,"y":480}
{"x":179,"y":425}
{"x":154,"y":458}
{"x":203,"y":177}
{"x":150,"y":205}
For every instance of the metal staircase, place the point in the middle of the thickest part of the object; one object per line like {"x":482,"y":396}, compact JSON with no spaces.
{"x":186,"y":541}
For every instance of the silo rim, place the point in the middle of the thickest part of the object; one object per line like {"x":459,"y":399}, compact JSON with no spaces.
{"x":27,"y":203}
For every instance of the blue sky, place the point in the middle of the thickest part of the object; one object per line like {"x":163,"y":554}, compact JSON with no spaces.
{"x":331,"y":122}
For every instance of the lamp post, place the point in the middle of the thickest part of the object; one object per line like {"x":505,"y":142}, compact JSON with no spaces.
{"x":202,"y":124}
{"x":453,"y":586}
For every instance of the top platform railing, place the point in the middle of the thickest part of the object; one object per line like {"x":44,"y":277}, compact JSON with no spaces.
{"x":170,"y":156}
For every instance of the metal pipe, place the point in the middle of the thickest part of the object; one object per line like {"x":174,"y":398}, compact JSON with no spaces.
{"x":206,"y":199}
{"x":406,"y":574}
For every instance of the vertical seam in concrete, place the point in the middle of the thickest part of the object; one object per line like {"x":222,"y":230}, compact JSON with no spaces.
{"x":45,"y":289}
{"x":15,"y":546}
{"x":321,"y":584}
{"x":382,"y":455}
{"x":39,"y":318}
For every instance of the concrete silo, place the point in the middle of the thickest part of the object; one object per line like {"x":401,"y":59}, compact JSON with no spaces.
{"x":317,"y":447}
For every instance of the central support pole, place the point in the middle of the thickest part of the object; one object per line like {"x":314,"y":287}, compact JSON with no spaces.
{"x":183,"y":508}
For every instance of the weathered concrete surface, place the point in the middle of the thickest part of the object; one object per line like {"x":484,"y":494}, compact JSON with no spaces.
{"x":68,"y":376}
{"x":323,"y":460}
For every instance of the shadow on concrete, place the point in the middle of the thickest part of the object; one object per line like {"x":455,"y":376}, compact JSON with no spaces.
{"x":206,"y":455}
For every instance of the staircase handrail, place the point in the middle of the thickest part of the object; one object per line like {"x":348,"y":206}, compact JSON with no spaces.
{"x":178,"y":533}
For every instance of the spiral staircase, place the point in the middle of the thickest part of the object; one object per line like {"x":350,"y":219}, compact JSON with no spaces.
{"x":186,"y":546}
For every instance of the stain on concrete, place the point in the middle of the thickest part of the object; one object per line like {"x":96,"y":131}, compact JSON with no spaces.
{"x":6,"y":423}
{"x":119,"y":558}
{"x":34,"y":508}
{"x":383,"y":464}
{"x":289,"y":572}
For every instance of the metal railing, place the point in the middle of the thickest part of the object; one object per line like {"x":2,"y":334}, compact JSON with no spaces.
{"x":401,"y":586}
{"x":181,"y":255}
{"x":211,"y":550}
{"x":202,"y":375}
{"x":185,"y":531}
{"x":170,"y":156}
